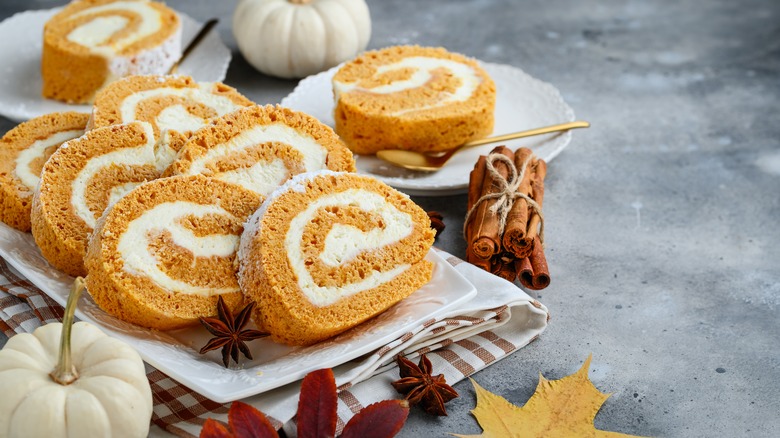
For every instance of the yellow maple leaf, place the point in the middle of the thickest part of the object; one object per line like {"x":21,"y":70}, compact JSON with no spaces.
{"x":558,"y":408}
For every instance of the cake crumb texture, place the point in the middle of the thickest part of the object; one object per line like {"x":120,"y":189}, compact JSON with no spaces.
{"x":78,"y":183}
{"x":415,"y":98}
{"x":89,"y":43}
{"x":344,"y":266}
{"x":23,"y":151}
{"x":261,"y":147}
{"x":176,"y":104}
{"x":175,"y":272}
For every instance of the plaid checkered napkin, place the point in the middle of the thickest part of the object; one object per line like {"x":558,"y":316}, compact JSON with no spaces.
{"x":498,"y":321}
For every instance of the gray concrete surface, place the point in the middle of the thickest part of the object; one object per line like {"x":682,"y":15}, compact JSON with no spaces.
{"x":662,"y":228}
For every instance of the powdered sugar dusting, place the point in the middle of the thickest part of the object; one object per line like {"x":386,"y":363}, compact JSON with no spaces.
{"x":157,"y":60}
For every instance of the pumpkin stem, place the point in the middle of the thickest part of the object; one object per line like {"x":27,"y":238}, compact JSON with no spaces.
{"x":65,"y":373}
{"x":300,"y":2}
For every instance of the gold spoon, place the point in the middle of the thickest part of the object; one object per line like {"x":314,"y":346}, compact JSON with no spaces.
{"x":207,"y":26}
{"x":431,"y":162}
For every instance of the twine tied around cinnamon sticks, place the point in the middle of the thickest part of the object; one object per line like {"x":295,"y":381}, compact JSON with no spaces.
{"x":504,"y":226}
{"x":508,"y":192}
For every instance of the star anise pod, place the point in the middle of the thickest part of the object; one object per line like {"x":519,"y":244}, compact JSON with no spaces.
{"x":229,"y":333}
{"x":419,"y":386}
{"x":437,"y":221}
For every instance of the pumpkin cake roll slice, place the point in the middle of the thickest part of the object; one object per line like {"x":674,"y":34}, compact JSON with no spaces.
{"x":93,"y":42}
{"x":81,"y":179}
{"x":175,"y":106}
{"x":261,"y":147}
{"x":23,"y":150}
{"x":329,"y":250}
{"x":414,"y":98}
{"x":162,"y":255}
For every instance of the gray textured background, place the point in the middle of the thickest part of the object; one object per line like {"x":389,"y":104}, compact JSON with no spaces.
{"x":662,"y":218}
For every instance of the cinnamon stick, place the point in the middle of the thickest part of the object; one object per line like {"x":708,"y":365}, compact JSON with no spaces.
{"x":485,"y":241}
{"x":476,"y":179}
{"x":537,"y":188}
{"x":475,"y":191}
{"x":517,"y":219}
{"x":504,"y":267}
{"x":525,"y":272}
{"x":476,"y":261}
{"x":538,"y":276}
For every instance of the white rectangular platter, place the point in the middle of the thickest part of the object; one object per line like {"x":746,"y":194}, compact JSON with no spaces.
{"x":176,"y":352}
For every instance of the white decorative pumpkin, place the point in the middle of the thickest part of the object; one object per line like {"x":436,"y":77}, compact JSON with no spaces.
{"x":297,"y":38}
{"x":99,"y":390}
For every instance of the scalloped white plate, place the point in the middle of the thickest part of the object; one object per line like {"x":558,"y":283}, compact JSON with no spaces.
{"x":176,"y":352}
{"x":20,"y":64}
{"x":522,"y":102}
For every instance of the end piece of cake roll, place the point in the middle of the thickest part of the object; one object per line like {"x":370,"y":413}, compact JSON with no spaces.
{"x":93,"y":42}
{"x":261,"y":147}
{"x":163,"y":254}
{"x":81,"y":179}
{"x":23,"y":151}
{"x":175,"y":106}
{"x":414,"y":98}
{"x":329,"y":250}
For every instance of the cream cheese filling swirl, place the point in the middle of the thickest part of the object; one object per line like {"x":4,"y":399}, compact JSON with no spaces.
{"x":140,"y":155}
{"x":168,"y":217}
{"x":37,"y":151}
{"x":423,"y":71}
{"x":177,"y":117}
{"x":262,"y":176}
{"x":344,"y":242}
{"x":108,"y":34}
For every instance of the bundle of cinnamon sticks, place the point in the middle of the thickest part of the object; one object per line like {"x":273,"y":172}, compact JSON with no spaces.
{"x":505,"y":236}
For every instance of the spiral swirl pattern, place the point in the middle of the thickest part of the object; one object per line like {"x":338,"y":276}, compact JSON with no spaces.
{"x":175,"y":106}
{"x":167,"y":250}
{"x":409,"y":97}
{"x":81,"y":179}
{"x":110,"y":28}
{"x":329,"y":250}
{"x":93,"y":42}
{"x":407,"y":78}
{"x":23,"y":151}
{"x":261,"y":147}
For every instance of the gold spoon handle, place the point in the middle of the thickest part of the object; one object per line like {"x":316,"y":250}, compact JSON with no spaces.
{"x":529,"y":133}
{"x":194,"y":43}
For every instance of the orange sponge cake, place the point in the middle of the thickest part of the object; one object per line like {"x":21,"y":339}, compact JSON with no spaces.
{"x":92,"y":42}
{"x":23,"y":150}
{"x":162,"y":255}
{"x":327,"y":251}
{"x":261,"y":147}
{"x":176,"y":106}
{"x":415,"y":98}
{"x":81,"y":179}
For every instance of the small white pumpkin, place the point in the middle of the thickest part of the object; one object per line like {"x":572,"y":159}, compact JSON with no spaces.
{"x":297,"y":38}
{"x":99,"y":390}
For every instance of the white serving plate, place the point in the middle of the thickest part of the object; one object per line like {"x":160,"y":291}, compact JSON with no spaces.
{"x":522,"y":102}
{"x":20,"y":64}
{"x":176,"y":352}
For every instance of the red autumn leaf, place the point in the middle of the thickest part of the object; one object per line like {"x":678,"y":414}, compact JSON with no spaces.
{"x":214,"y":429}
{"x":318,"y":405}
{"x":317,"y":415}
{"x":248,"y":422}
{"x":378,"y":420}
